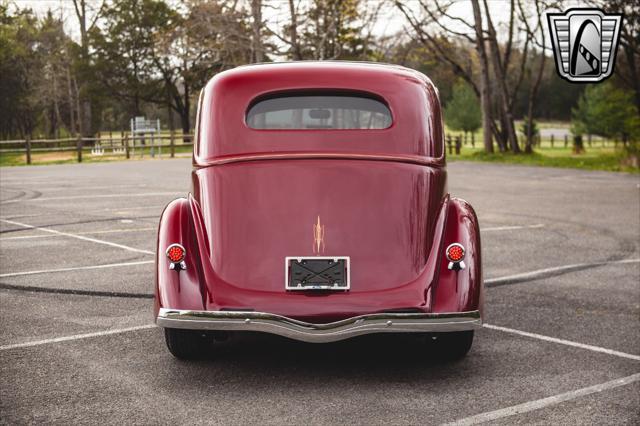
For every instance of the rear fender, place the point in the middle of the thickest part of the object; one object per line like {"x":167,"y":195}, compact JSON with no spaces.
{"x":178,"y":289}
{"x":460,"y":291}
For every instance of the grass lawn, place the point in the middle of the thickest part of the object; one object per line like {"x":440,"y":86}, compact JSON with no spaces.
{"x":66,"y":157}
{"x":595,"y":158}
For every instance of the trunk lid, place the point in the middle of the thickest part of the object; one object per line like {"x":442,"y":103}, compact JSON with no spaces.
{"x":379,"y":213}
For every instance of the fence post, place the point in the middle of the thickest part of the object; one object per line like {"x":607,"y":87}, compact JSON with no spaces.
{"x":566,"y":140}
{"x":28,"y":148}
{"x":126,"y":146}
{"x":589,"y":139}
{"x":172,"y":143}
{"x":458,"y":143}
{"x":473,"y":140}
{"x":449,"y":144}
{"x":79,"y":148}
{"x":552,"y":140}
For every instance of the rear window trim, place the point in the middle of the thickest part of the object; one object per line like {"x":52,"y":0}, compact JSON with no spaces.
{"x":319,"y":92}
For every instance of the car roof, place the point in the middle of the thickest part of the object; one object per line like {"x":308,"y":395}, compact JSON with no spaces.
{"x":412,"y":98}
{"x":295,"y":67}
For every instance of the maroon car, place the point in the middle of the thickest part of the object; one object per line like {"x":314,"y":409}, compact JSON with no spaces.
{"x":319,"y":211}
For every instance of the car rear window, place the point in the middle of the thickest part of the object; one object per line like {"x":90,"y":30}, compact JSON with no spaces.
{"x":319,"y":111}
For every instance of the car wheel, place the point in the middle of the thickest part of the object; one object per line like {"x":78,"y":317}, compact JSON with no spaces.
{"x":185,"y":344}
{"x":453,"y":345}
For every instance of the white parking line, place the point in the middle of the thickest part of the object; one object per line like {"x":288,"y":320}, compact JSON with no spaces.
{"x":119,"y":210}
{"x":544,"y":402}
{"x":104,"y":231}
{"x":80,"y":237}
{"x":563,"y":342}
{"x":73,"y":187}
{"x":77,"y":268}
{"x":510,"y":228}
{"x":540,"y":273}
{"x":76,"y":337}
{"x":75,"y":197}
{"x":127,"y":208}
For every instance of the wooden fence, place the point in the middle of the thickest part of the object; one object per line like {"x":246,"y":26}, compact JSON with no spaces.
{"x":153,"y":145}
{"x":455,"y":143}
{"x":123,"y":145}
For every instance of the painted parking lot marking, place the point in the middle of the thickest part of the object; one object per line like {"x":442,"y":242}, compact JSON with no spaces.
{"x":549,"y":272}
{"x":511,"y":228}
{"x":563,"y":342}
{"x":76,"y":337}
{"x":76,"y":197}
{"x":77,"y":268}
{"x":79,"y":237}
{"x":118,"y":210}
{"x":104,"y":231}
{"x":544,"y":402}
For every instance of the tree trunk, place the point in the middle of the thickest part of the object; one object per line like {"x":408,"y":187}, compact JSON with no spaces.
{"x":503,"y":93}
{"x":186,"y":107}
{"x":170,"y":113}
{"x":295,"y":47}
{"x":533,"y":91}
{"x":257,"y":51}
{"x":72,"y":118}
{"x":86,"y":115}
{"x":80,"y":123}
{"x":485,"y":100}
{"x":497,"y":134}
{"x":186,"y":125}
{"x":578,"y":145}
{"x":84,"y":112}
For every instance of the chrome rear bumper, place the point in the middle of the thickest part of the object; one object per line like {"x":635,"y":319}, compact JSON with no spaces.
{"x":318,"y":333}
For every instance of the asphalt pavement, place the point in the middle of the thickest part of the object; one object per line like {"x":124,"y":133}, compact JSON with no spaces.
{"x":561,"y":253}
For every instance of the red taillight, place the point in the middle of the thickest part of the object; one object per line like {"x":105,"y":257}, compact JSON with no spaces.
{"x":455,"y":252}
{"x":175,"y":253}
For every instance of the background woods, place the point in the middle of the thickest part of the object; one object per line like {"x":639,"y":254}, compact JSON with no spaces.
{"x":94,"y":65}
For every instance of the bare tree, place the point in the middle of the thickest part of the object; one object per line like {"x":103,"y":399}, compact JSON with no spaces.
{"x":83,"y":10}
{"x":628,"y":63}
{"x":210,"y":37}
{"x":500,"y":69}
{"x":431,"y":31}
{"x":485,"y":100}
{"x":538,"y":35}
{"x":296,"y":50}
{"x":501,"y":57}
{"x":327,"y":29}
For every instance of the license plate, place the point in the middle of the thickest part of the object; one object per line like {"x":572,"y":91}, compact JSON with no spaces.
{"x":317,"y":273}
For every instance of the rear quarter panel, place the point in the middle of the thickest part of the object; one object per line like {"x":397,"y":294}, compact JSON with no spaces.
{"x":463,"y":290}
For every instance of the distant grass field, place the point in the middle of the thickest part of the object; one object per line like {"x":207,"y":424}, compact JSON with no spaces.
{"x":66,"y":157}
{"x":607,"y":159}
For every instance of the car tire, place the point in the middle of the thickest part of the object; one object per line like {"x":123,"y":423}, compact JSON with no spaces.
{"x":453,"y":345}
{"x":185,"y":344}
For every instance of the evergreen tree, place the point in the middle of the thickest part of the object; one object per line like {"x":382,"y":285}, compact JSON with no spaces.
{"x":463,"y":111}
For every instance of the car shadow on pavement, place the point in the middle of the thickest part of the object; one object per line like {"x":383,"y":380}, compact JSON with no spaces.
{"x":384,"y":356}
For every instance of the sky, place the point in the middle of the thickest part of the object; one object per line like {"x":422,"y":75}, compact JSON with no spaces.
{"x":390,"y":21}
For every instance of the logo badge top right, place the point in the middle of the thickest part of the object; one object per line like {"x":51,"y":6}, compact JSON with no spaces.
{"x":584,"y":43}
